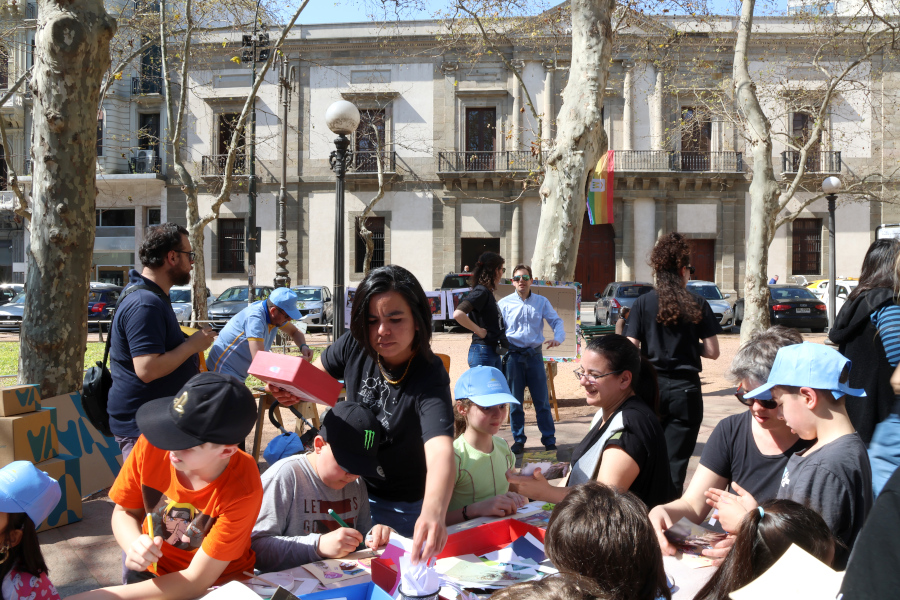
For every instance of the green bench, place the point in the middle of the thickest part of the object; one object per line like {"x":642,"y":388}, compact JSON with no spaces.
{"x":589,"y":331}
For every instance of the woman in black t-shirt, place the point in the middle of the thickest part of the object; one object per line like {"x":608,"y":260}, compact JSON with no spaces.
{"x":387,"y":365}
{"x":674,"y":328}
{"x":625,"y":446}
{"x":480,"y":314}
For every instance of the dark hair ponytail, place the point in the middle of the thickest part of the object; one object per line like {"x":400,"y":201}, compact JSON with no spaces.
{"x":671,"y":254}
{"x":486,"y":269}
{"x":623,"y":355}
{"x":26,"y":555}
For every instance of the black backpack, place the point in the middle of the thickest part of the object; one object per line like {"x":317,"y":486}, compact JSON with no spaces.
{"x":98,"y":379}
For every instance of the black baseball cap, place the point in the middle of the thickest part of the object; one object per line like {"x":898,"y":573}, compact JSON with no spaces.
{"x":210,"y":408}
{"x":354,"y":435}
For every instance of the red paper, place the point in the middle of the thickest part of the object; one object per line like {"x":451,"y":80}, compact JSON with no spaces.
{"x":297,"y":376}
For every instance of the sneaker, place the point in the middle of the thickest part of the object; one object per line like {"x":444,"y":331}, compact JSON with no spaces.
{"x":518,"y":448}
{"x":550,"y":447}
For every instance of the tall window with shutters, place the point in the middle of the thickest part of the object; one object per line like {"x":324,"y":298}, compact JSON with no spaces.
{"x":806,"y":255}
{"x":231,"y":245}
{"x":376,"y":226}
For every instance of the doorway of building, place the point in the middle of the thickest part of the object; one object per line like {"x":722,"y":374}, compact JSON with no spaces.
{"x":703,"y":259}
{"x":113,"y":275}
{"x":596,"y":263}
{"x":471,"y":248}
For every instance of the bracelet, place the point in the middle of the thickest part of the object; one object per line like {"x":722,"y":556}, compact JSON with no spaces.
{"x":307,"y":345}
{"x":465,"y":516}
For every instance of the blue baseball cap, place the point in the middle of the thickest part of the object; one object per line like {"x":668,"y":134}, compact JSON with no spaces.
{"x":286,"y":300}
{"x":485,"y":386}
{"x":809,"y":365}
{"x":25,"y":488}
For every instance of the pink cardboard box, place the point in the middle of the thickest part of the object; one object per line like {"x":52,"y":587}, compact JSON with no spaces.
{"x":297,"y":376}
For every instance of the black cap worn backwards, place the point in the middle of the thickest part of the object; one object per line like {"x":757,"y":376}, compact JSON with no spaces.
{"x":210,"y":408}
{"x":354,"y":436}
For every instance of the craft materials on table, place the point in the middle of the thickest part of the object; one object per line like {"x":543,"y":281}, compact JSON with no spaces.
{"x":691,"y":538}
{"x":546,"y":461}
{"x":520,"y":561}
{"x":332,"y":570}
{"x":419,"y":580}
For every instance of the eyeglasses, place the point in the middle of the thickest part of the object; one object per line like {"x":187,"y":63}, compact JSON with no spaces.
{"x":521,"y":277}
{"x":767,"y":404}
{"x":191,"y":255}
{"x":690,"y":269}
{"x":593,"y":378}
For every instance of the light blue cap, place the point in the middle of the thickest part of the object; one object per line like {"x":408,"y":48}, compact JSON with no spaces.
{"x":25,"y":488}
{"x":809,"y":365}
{"x":286,"y":300}
{"x":485,"y":386}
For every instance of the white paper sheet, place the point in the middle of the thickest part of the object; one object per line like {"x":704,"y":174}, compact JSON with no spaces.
{"x":233,"y":590}
{"x":535,"y":541}
{"x":797,"y":575}
{"x":529,"y":469}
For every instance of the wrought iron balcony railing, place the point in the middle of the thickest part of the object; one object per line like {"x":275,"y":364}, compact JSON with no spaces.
{"x":214,"y":165}
{"x":147,"y":85}
{"x":816,"y":162}
{"x":672,"y":160}
{"x":462,"y":162}
{"x":366,"y":161}
{"x":145,"y":164}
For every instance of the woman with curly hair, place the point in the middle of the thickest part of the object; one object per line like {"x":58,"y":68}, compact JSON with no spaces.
{"x":480,"y":314}
{"x":674,"y":328}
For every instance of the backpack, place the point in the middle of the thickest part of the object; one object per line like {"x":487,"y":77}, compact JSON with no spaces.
{"x":98,"y":379}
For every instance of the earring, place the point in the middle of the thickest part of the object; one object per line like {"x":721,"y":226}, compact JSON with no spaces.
{"x":5,"y":551}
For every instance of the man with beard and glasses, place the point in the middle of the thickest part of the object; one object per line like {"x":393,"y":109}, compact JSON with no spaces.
{"x":149,"y":355}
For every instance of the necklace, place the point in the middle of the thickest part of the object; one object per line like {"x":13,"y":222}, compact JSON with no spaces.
{"x":384,"y":372}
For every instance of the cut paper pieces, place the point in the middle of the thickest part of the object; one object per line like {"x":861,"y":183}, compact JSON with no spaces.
{"x":285,"y":580}
{"x":305,"y":586}
{"x":333,"y":570}
{"x":797,"y":575}
{"x":482,"y":575}
{"x":233,"y":590}
{"x":529,"y":469}
{"x":539,"y":519}
{"x":691,"y":538}
{"x":525,"y":549}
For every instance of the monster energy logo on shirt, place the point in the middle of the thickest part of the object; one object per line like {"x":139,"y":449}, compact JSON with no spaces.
{"x":369,"y":438}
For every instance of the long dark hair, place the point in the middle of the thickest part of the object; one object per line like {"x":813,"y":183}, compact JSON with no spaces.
{"x":26,"y":555}
{"x":878,"y":268}
{"x":762,"y":539}
{"x":622,"y":355}
{"x":486,"y":270}
{"x":672,"y":253}
{"x":604,"y":534}
{"x":392,"y":278}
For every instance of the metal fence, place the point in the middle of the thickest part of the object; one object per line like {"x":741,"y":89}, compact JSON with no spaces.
{"x":366,"y":161}
{"x":214,"y":165}
{"x":462,"y":162}
{"x":148,"y":84}
{"x":816,"y":162}
{"x":674,"y":160}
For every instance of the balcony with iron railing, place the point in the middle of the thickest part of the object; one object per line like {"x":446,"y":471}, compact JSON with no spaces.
{"x":366,"y":161}
{"x":467,"y":162}
{"x":214,"y":165}
{"x":678,"y":161}
{"x":816,"y":162}
{"x":145,"y":161}
{"x":146,"y":85}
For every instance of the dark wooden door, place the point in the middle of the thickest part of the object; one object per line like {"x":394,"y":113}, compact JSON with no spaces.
{"x":471,"y":248}
{"x":596,"y":264}
{"x":703,"y":258}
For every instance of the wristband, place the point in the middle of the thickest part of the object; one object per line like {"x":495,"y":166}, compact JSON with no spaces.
{"x":307,"y":345}
{"x":465,"y":516}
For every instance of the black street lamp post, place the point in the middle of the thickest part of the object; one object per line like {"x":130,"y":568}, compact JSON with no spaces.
{"x":285,"y":80}
{"x":342,"y":118}
{"x":831,"y":186}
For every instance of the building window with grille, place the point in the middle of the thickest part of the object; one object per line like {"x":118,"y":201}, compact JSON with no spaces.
{"x":806,"y":255}
{"x":231,"y":245}
{"x":100,"y":136}
{"x":376,"y":226}
{"x":4,"y":68}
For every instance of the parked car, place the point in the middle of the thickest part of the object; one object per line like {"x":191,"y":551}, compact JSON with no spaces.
{"x":8,"y":291}
{"x":11,"y":313}
{"x":791,"y":306}
{"x":452,"y":281}
{"x":102,"y":301}
{"x":843,"y":287}
{"x":231,"y":302}
{"x":616,"y":296}
{"x":718,"y":301}
{"x":315,"y":303}
{"x":180,"y":295}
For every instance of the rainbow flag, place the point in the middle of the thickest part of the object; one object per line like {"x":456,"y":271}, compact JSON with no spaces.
{"x":600,"y":192}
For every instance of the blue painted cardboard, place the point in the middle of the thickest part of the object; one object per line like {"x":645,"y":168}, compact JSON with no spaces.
{"x":30,"y":436}
{"x":19,"y":399}
{"x":66,"y":469}
{"x":363,"y":591}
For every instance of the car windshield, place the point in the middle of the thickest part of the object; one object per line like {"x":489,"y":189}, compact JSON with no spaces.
{"x":455,"y":281}
{"x":308,"y":294}
{"x":632,"y":291}
{"x":95,"y":297}
{"x":236,"y":294}
{"x":19,"y":299}
{"x":792,"y":294}
{"x":710,"y":292}
{"x":180,"y":295}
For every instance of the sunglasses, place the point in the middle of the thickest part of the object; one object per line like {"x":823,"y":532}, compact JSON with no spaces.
{"x":690,"y":269}
{"x":521,"y":277}
{"x":767,"y":404}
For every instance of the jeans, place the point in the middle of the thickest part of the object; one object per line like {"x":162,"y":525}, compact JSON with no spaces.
{"x":525,"y":367}
{"x":399,"y":516}
{"x":680,"y":414}
{"x":884,"y":451}
{"x":484,"y":356}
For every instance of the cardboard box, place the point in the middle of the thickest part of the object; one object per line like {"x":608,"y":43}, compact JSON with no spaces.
{"x":297,"y":376}
{"x":66,"y":469}
{"x":31,"y":436}
{"x":100,"y":456}
{"x":363,"y":591}
{"x":19,"y":399}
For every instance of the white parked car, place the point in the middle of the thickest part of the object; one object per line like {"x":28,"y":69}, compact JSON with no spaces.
{"x":180,"y":295}
{"x":718,"y":301}
{"x":843,"y":287}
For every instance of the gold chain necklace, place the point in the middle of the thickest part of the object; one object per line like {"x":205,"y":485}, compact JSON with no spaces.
{"x":384,"y":372}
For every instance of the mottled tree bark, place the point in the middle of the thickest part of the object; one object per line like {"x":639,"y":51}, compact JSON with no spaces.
{"x":72,"y":55}
{"x":580,"y":142}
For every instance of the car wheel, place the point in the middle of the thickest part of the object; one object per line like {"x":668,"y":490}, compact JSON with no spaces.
{"x":609,"y":321}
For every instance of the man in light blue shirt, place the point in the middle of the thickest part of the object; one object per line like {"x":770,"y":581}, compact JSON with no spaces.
{"x":254,"y":329}
{"x":524,"y":314}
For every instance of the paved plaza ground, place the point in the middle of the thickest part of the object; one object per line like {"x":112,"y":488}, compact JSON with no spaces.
{"x":85,"y":556}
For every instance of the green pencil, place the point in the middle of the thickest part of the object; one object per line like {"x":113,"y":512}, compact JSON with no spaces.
{"x":335,"y":516}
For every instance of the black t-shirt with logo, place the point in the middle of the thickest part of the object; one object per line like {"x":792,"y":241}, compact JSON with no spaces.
{"x":670,"y":347}
{"x":411,"y":413}
{"x":485,"y":313}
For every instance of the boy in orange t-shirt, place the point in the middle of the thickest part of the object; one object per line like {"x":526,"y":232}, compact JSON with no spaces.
{"x":188,"y":484}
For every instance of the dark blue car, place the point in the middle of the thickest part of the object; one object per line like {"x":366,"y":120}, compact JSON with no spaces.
{"x":102,"y":302}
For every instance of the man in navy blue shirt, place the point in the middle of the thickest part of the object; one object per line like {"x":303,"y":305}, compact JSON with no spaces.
{"x":149,"y":356}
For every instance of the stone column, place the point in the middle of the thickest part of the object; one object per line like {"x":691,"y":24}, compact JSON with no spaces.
{"x":660,"y":217}
{"x":644,"y":217}
{"x":515,"y":121}
{"x":729,"y":283}
{"x":547,"y":134}
{"x":516,"y":234}
{"x":627,"y":266}
{"x":657,"y":126}
{"x":628,"y":116}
